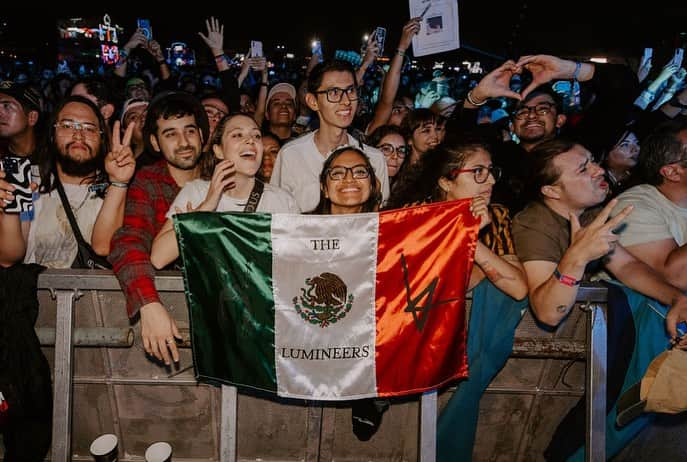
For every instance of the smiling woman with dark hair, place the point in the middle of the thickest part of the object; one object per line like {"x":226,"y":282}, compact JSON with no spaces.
{"x":347,"y":184}
{"x":228,"y":183}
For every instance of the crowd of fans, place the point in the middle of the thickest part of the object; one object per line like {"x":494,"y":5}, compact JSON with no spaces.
{"x":555,"y":155}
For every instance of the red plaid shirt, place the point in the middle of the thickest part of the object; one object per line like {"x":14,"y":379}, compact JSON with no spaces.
{"x":148,"y":200}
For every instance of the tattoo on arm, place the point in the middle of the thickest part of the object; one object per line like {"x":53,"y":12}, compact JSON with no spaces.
{"x":492,"y":273}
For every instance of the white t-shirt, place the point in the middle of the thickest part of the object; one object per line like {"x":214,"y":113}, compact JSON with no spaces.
{"x":51,"y":241}
{"x":299,"y":164}
{"x":654,"y":217}
{"x":273,"y":200}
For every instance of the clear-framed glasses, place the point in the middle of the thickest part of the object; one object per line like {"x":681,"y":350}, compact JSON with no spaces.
{"x":358,"y":172}
{"x":335,"y":94}
{"x":72,"y":126}
{"x":480,"y":172}
{"x":388,"y":150}
{"x":539,"y":109}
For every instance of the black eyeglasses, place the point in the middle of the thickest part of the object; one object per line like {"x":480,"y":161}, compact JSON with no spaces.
{"x":335,"y":94}
{"x":539,"y":109}
{"x":480,"y":172}
{"x":358,"y":172}
{"x":388,"y":150}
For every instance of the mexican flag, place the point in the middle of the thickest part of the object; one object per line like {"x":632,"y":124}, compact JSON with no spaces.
{"x":331,"y":307}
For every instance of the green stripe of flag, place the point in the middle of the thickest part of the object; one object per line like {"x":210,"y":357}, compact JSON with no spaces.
{"x":231,"y":305}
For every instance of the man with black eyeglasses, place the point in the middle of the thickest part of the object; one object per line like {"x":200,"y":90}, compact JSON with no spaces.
{"x":333,"y":94}
{"x":538,"y":115}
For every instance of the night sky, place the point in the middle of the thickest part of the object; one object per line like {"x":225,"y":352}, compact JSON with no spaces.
{"x":511,"y":28}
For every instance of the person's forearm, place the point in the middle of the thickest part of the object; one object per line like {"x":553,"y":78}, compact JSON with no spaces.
{"x":12,"y":244}
{"x":164,"y":71}
{"x":109,"y":220}
{"x":360,"y":73}
{"x":552,"y":300}
{"x":389,"y":89}
{"x":639,"y":276}
{"x":507,"y":276}
{"x":165,"y":249}
{"x":262,"y":102}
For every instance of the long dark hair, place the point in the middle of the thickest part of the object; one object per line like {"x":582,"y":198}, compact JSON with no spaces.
{"x":420,"y":182}
{"x":324,"y":207}
{"x":47,"y":157}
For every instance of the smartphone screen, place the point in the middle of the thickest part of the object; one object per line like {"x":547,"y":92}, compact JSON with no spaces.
{"x":380,"y":37}
{"x":256,"y":48}
{"x":144,"y":25}
{"x":316,"y":48}
{"x":18,"y":173}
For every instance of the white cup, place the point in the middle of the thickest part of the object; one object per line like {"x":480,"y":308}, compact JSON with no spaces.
{"x":104,"y":448}
{"x":159,"y":452}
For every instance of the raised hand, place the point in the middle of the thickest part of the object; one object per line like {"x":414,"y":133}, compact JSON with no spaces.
{"x":371,"y":52}
{"x":410,"y":29}
{"x":480,"y":209}
{"x":222,"y":179}
{"x":215,"y":37}
{"x":596,"y":239}
{"x":545,"y":68}
{"x":120,"y":163}
{"x":155,"y":49}
{"x":497,"y":83}
{"x":258,"y":63}
{"x":137,"y":39}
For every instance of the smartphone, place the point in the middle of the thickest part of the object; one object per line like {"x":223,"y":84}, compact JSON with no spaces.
{"x":255,"y":49}
{"x":316,"y":47}
{"x":380,"y":37}
{"x":677,"y":58}
{"x":18,"y":173}
{"x":144,"y":25}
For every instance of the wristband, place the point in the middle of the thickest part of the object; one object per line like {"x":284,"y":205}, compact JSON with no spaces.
{"x":578,"y":66}
{"x":473,"y":102}
{"x":123,"y":53}
{"x":119,"y":184}
{"x":565,"y":279}
{"x":221,"y":55}
{"x":400,"y":52}
{"x":264,"y":84}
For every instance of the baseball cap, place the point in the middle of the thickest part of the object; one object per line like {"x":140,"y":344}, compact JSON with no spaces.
{"x":130,"y":104}
{"x":282,"y":87}
{"x":22,"y":93}
{"x":135,"y":81}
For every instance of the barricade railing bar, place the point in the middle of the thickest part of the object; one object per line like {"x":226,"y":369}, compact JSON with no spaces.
{"x":67,"y":286}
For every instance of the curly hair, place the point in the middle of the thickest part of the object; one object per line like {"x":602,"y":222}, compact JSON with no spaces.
{"x":324,"y":207}
{"x":420,"y":182}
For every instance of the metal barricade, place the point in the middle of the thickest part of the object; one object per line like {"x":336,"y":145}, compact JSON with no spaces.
{"x":67,"y":286}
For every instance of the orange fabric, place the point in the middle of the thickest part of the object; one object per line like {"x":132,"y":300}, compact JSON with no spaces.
{"x":437,"y":244}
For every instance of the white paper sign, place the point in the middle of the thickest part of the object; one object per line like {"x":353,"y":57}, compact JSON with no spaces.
{"x":439,"y":26}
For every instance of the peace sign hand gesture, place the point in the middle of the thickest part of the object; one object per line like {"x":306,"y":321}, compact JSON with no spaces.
{"x":120,"y":163}
{"x":596,"y":239}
